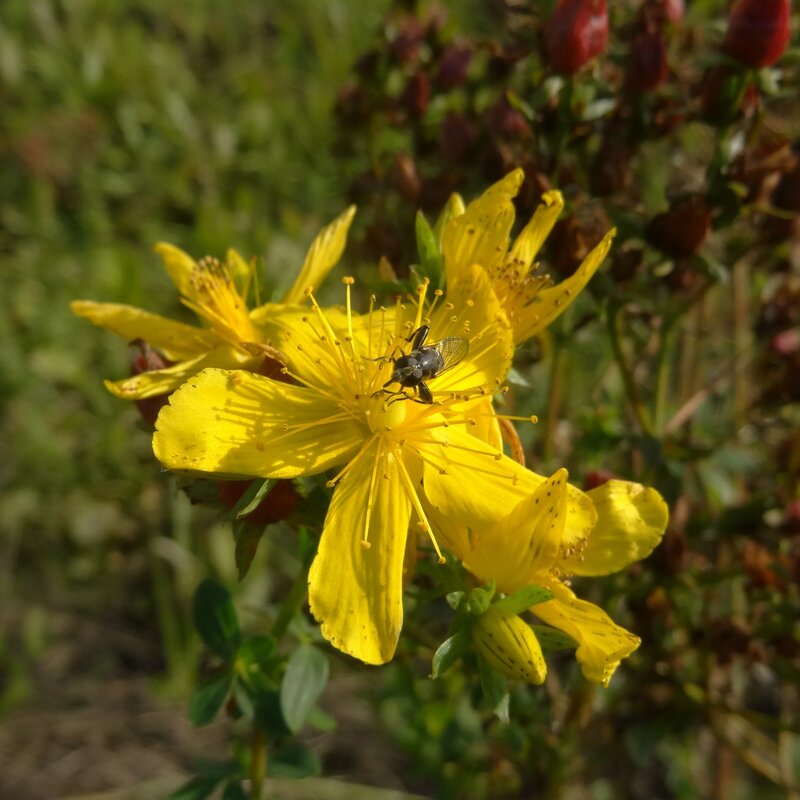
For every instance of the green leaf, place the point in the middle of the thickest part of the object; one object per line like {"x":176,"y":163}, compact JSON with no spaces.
{"x":321,"y":720}
{"x":208,"y":698}
{"x":268,"y":714}
{"x":495,"y":689}
{"x":195,"y":789}
{"x":250,"y":499}
{"x":257,"y":650}
{"x":215,"y":619}
{"x":305,"y":678}
{"x":450,"y":651}
{"x":292,"y":760}
{"x":454,"y":599}
{"x":248,"y":538}
{"x":234,"y":791}
{"x":524,"y":598}
{"x":430,"y":259}
{"x":552,"y":639}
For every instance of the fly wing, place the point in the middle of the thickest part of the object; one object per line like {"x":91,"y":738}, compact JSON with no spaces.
{"x":453,"y":350}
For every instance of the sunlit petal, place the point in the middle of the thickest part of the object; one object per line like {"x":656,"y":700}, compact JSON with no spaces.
{"x":180,"y":267}
{"x":355,"y":582}
{"x":631,"y":521}
{"x":324,"y":253}
{"x":175,"y":340}
{"x":602,"y":644}
{"x":240,"y":424}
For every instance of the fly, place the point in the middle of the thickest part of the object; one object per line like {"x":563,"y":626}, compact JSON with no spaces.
{"x":424,"y":363}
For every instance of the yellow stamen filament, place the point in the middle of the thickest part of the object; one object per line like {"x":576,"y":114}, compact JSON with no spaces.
{"x":414,"y":498}
{"x":371,"y":496}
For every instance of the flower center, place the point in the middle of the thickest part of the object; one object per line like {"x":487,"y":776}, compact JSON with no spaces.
{"x":217,"y":301}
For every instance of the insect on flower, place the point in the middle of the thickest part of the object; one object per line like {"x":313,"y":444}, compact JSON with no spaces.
{"x":423,"y":363}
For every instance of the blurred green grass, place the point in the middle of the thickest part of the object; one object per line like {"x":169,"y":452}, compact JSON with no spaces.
{"x":126,"y":123}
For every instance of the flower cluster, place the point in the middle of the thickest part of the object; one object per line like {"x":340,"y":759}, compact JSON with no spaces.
{"x":394,"y":409}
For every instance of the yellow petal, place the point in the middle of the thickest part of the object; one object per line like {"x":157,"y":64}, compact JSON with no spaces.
{"x":324,"y":253}
{"x":510,"y":646}
{"x":533,"y":235}
{"x":164,"y":381}
{"x":174,"y":339}
{"x":240,"y":424}
{"x":527,"y":541}
{"x":240,"y":270}
{"x":474,"y":313}
{"x":451,"y":534}
{"x":631,"y":521}
{"x":483,"y":423}
{"x":470,"y":481}
{"x":355,"y":592}
{"x":602,"y":644}
{"x":480,"y":235}
{"x":550,"y":302}
{"x":477,"y":487}
{"x":180,"y":267}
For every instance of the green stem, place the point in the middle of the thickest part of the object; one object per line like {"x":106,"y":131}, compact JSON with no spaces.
{"x":258,"y":763}
{"x":631,"y":390}
{"x":557,"y":370}
{"x":662,"y":376}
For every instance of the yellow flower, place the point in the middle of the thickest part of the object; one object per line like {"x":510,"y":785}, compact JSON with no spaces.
{"x":552,"y":532}
{"x":230,"y":335}
{"x":338,"y":414}
{"x":480,"y":234}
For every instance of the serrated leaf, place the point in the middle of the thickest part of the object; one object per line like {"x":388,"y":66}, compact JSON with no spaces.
{"x":553,"y":639}
{"x":305,"y":678}
{"x":215,"y":619}
{"x":208,"y":698}
{"x":524,"y":598}
{"x":450,"y":651}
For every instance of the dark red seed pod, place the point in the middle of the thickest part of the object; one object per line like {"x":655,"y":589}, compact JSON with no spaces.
{"x":647,"y":63}
{"x":277,"y":505}
{"x":416,"y":95}
{"x":453,"y":67}
{"x":664,"y":11}
{"x":576,"y":32}
{"x":456,"y":137}
{"x":758,"y":32}
{"x":597,"y":477}
{"x":681,"y":231}
{"x":145,"y":359}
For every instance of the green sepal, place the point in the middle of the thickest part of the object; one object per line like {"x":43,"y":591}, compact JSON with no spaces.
{"x":480,"y":598}
{"x":524,"y":598}
{"x":248,"y":538}
{"x":450,"y":651}
{"x":252,"y":497}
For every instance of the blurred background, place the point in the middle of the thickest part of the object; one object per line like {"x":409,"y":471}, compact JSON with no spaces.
{"x":253,"y":124}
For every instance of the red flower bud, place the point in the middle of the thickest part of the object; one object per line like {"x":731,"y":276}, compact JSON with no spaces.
{"x":575,"y":33}
{"x":758,"y":32}
{"x":597,"y":477}
{"x":416,"y":95}
{"x":662,"y":11}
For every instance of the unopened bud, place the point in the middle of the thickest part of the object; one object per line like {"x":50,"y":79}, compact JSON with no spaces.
{"x":576,"y":32}
{"x":758,"y":32}
{"x":647,"y":63}
{"x":508,"y":644}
